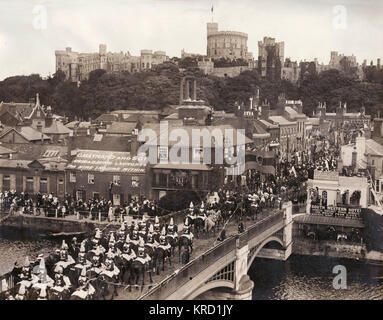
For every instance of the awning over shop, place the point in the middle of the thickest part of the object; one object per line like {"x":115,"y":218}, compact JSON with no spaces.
{"x":191,"y":166}
{"x":253,"y":165}
{"x":329,"y":221}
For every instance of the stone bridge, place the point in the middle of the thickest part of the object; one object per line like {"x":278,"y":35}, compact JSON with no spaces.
{"x":225,"y":266}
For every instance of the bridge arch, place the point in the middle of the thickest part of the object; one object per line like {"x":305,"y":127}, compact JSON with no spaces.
{"x":209,"y":286}
{"x":259,"y":248}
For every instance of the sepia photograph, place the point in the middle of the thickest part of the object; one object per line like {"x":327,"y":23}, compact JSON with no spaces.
{"x":205,"y":150}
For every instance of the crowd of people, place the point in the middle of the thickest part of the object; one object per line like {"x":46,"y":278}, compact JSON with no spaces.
{"x":50,"y":205}
{"x":94,"y":267}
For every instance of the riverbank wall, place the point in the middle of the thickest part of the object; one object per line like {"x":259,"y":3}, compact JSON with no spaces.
{"x":331,"y":249}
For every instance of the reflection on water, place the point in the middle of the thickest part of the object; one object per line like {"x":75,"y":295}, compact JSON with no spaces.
{"x":306,"y":277}
{"x":16,"y":243}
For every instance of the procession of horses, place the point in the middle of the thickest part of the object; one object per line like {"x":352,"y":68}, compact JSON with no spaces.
{"x":96,"y":266}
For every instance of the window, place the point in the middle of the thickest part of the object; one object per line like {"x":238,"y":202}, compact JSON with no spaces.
{"x":38,"y":113}
{"x":29,"y":184}
{"x":90,"y":178}
{"x":377,"y":184}
{"x":373,"y":162}
{"x":163,"y":153}
{"x":72,"y":177}
{"x":135,"y":182}
{"x":116,"y":180}
{"x":61,"y":186}
{"x":44,"y":185}
{"x":6,"y":183}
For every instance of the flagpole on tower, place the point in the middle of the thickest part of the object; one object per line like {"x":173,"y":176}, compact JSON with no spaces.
{"x":212,"y":13}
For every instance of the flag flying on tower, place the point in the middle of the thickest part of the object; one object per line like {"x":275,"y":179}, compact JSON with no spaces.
{"x":211,"y":8}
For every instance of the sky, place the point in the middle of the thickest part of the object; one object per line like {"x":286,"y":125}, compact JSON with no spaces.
{"x":31,"y":30}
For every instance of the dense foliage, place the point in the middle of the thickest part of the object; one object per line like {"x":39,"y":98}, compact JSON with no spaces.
{"x":178,"y":200}
{"x":159,"y":87}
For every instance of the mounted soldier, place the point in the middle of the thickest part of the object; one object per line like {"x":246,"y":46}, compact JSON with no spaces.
{"x":65,"y":259}
{"x":82,"y":262}
{"x":109,"y":275}
{"x":122,"y":232}
{"x":141,"y":263}
{"x":142,"y":228}
{"x":127,"y":256}
{"x":40,"y":280}
{"x":186,"y":238}
{"x":85,"y":290}
{"x":172,"y":236}
{"x":157,"y":229}
{"x":60,"y":290}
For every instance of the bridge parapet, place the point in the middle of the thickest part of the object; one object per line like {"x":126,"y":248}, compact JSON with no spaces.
{"x":232,"y":252}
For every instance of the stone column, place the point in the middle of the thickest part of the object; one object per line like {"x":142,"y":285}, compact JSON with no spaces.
{"x":195,"y":90}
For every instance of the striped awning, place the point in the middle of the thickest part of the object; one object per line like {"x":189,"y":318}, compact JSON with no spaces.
{"x":329,"y":221}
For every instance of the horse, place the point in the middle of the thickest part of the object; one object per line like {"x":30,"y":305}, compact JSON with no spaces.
{"x":107,"y":287}
{"x":209,"y":225}
{"x":160,"y":257}
{"x":138,"y":269}
{"x":184,"y":241}
{"x":199,"y":225}
{"x":185,"y":255}
{"x":173,"y":241}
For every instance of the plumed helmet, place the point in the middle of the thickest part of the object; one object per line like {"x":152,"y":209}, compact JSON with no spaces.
{"x":171,"y":223}
{"x":4,"y":285}
{"x":82,"y":247}
{"x":156,"y":220}
{"x":64,"y":246}
{"x":127,"y":240}
{"x":191,"y":205}
{"x":22,"y":290}
{"x":59,"y":269}
{"x":43,"y":292}
{"x":151,"y":228}
{"x":27,"y":263}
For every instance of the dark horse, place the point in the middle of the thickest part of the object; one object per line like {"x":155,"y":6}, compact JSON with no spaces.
{"x":160,"y":257}
{"x":199,"y":225}
{"x":138,"y":269}
{"x":184,"y":242}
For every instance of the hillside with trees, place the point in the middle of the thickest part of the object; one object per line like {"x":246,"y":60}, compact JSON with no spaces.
{"x":159,"y":87}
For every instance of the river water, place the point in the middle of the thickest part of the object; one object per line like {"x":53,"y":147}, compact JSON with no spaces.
{"x":16,"y":243}
{"x":300,"y":277}
{"x":308,"y":277}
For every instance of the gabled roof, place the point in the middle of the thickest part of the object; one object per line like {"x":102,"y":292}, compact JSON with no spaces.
{"x":107,"y":117}
{"x":19,"y":110}
{"x":57,"y":127}
{"x":373,"y":148}
{"x":125,"y":128}
{"x":28,"y":133}
{"x":281,"y":120}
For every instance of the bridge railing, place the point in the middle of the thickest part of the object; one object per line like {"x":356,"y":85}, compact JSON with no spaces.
{"x":169,"y":285}
{"x":190,"y":270}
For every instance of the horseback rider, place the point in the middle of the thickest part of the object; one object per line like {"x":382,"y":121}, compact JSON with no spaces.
{"x":41,"y":280}
{"x":85,"y":291}
{"x":128,"y":253}
{"x":186,"y":231}
{"x":142,"y":228}
{"x":62,"y":283}
{"x":157,"y":229}
{"x":151,"y":241}
{"x":82,"y":261}
{"x":163,"y":242}
{"x":171,"y":229}
{"x":135,"y":234}
{"x":192,"y":214}
{"x":65,"y":259}
{"x":142,"y":256}
{"x":202,"y":212}
{"x":97,"y":261}
{"x":110,"y":268}
{"x":112,"y":245}
{"x":26,"y":274}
